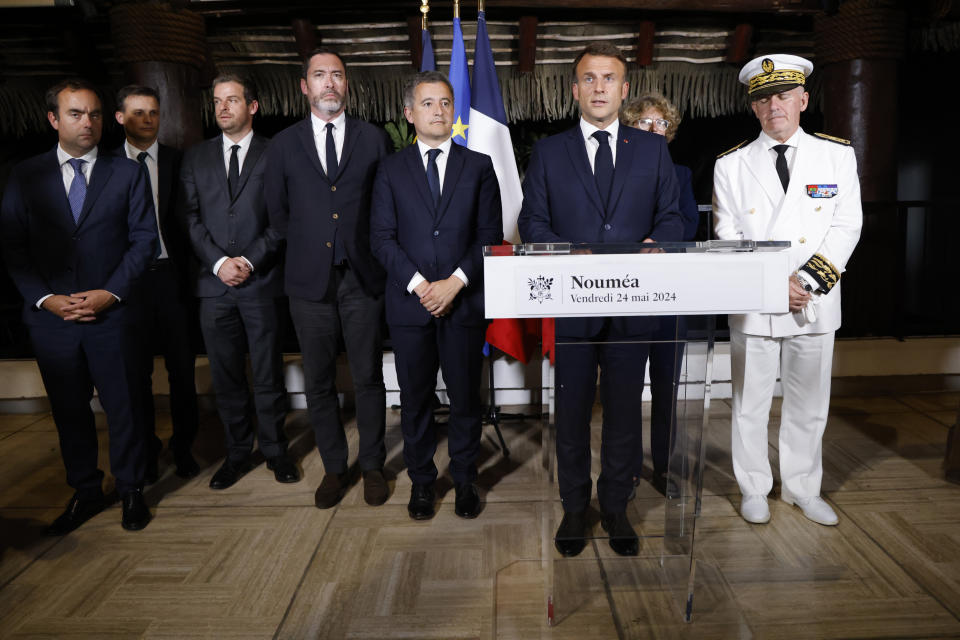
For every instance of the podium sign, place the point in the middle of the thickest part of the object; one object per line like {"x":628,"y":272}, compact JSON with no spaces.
{"x":682,"y":280}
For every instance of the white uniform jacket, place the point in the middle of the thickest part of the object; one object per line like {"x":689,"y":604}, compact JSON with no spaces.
{"x":749,"y":204}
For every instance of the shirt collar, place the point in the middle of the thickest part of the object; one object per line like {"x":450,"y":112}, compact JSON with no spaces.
{"x":320,"y":125}
{"x":132,"y":151}
{"x":443,"y":146}
{"x":770,"y":143}
{"x":63,"y":156}
{"x":244,"y":143}
{"x":588,"y":129}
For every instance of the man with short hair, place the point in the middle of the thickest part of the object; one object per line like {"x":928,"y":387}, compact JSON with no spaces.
{"x":77,"y":230}
{"x":600,"y":183}
{"x":166,"y":301}
{"x":787,"y":185}
{"x":240,"y":281}
{"x":435,"y":206}
{"x":318,"y":182}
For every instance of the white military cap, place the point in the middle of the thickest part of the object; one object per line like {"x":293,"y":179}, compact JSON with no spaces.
{"x":774,"y":73}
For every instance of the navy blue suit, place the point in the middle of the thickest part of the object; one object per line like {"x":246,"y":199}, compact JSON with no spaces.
{"x":561,"y":203}
{"x":107,"y":248}
{"x":408,"y":234}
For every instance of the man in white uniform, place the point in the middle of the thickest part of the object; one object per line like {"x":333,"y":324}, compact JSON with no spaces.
{"x":787,"y":185}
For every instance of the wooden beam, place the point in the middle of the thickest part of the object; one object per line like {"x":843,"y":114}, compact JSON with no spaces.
{"x":740,"y":43}
{"x":528,"y":43}
{"x":414,"y":30}
{"x":645,"y":43}
{"x":305,"y":34}
{"x":743,"y":6}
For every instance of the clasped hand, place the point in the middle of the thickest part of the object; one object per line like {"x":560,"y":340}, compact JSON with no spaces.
{"x":437,"y":297}
{"x":79,"y":307}
{"x":799,"y":297}
{"x":234,"y":271}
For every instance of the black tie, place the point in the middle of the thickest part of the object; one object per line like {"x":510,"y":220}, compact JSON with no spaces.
{"x":603,"y":165}
{"x":142,"y":159}
{"x":331,"y":154}
{"x":782,"y":170}
{"x":433,"y":175}
{"x":233,"y":175}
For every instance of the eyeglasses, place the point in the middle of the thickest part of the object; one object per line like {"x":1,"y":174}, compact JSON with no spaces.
{"x":649,"y":123}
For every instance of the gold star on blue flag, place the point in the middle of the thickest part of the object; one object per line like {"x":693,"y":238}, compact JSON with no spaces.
{"x":460,"y":80}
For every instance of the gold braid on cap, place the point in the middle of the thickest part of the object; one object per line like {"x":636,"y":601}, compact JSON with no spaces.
{"x":823,"y":271}
{"x":776,"y":78}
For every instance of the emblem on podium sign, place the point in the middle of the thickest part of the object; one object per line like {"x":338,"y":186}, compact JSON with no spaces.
{"x":541,"y":288}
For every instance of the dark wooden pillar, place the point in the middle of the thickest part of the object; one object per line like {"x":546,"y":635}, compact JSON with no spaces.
{"x":166,"y":49}
{"x":858,"y":49}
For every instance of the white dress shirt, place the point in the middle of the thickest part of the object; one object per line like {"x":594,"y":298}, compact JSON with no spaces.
{"x":593,"y":144}
{"x":320,"y":136}
{"x":153,"y":169}
{"x":241,"y":156}
{"x":442,"y":170}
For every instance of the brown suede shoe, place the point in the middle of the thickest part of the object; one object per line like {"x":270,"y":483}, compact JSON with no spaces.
{"x":375,"y":489}
{"x":331,"y":490}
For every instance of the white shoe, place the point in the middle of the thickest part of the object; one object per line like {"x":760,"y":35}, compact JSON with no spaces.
{"x":814,"y":508}
{"x":754,"y":509}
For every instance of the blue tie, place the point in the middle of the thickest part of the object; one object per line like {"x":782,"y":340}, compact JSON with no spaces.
{"x":433,"y":175}
{"x":603,"y":165}
{"x":78,"y":188}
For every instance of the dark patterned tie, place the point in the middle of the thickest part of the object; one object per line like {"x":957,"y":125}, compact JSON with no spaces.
{"x":142,"y":159}
{"x":233,"y":175}
{"x":433,"y":175}
{"x":78,"y":188}
{"x":603,"y":165}
{"x":332,"y":166}
{"x":782,"y":170}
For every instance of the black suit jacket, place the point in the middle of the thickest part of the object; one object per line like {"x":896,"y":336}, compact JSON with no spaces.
{"x":223,"y":226}
{"x":48,"y":253}
{"x":409,"y":234}
{"x":307,"y":209}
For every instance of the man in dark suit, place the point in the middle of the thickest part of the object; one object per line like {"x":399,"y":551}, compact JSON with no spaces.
{"x":599,"y":183}
{"x":78,"y":230}
{"x":165,"y":303}
{"x":435,"y":206}
{"x":239,"y":282}
{"x":318,"y":182}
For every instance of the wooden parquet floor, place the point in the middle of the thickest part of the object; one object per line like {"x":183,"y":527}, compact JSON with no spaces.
{"x":260,"y":561}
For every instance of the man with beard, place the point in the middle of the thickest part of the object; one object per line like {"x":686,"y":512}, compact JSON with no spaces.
{"x":239,"y":282}
{"x":318,"y":183}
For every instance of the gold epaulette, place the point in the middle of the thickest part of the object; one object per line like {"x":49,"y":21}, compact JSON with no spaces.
{"x":733,"y":149}
{"x":833,"y":139}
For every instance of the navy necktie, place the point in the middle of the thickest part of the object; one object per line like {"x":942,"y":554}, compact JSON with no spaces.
{"x":433,"y":175}
{"x":142,"y":159}
{"x":78,"y":188}
{"x":233,"y":175}
{"x":782,"y":170}
{"x":603,"y":165}
{"x":332,"y":166}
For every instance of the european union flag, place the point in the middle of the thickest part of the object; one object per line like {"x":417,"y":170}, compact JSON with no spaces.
{"x":460,"y":79}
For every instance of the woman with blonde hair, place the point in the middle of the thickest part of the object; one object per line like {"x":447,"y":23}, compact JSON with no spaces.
{"x":654,"y":113}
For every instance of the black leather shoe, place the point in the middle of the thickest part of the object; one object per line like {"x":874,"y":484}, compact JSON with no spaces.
{"x":228,"y":474}
{"x":665,"y":486}
{"x":420,"y":506}
{"x":136,"y":515}
{"x":77,"y":512}
{"x":623,"y":539}
{"x":376,"y":491}
{"x":187,"y":466}
{"x":467,"y":504}
{"x":283,"y":469}
{"x":571,"y":534}
{"x":152,"y":471}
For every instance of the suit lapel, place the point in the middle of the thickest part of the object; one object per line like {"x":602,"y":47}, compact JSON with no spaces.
{"x":803,"y":163}
{"x":577,"y":151}
{"x":451,"y":176}
{"x":621,"y":170}
{"x":763,"y":169}
{"x":102,"y":170}
{"x":53,"y":181}
{"x":418,"y":174}
{"x":351,"y":134}
{"x":309,"y":143}
{"x":164,"y":180}
{"x":214,"y":153}
{"x":257,"y":146}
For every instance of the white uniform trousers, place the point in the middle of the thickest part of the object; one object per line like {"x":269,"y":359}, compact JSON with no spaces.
{"x":805,"y":365}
